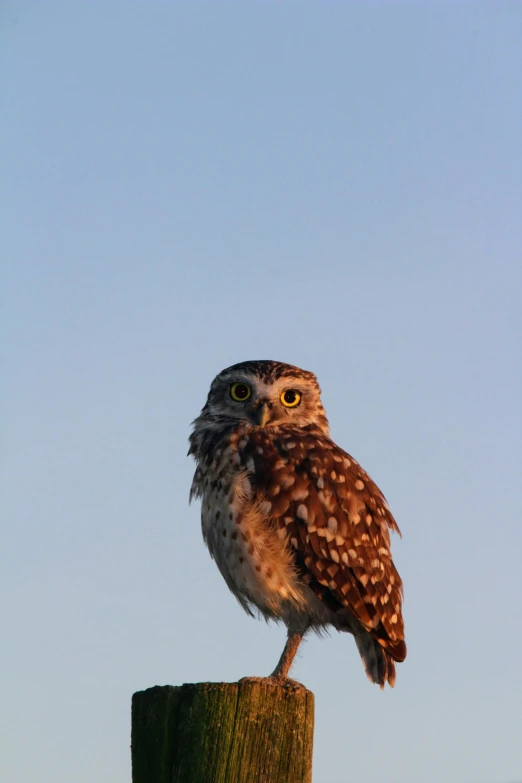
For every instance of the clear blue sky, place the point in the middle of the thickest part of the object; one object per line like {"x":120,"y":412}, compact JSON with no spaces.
{"x":190,"y":184}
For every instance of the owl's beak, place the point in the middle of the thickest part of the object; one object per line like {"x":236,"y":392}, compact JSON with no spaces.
{"x":261,"y":414}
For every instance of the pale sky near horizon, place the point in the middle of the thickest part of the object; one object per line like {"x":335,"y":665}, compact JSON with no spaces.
{"x":192,"y":184}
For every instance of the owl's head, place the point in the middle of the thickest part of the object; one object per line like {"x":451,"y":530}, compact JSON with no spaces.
{"x":266,"y":394}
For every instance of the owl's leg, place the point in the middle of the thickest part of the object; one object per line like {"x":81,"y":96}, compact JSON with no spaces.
{"x":285,"y":662}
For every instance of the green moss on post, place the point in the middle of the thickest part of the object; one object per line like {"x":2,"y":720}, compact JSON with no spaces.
{"x":223,"y":732}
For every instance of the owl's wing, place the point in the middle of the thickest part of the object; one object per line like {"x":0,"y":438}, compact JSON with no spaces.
{"x":338,"y":525}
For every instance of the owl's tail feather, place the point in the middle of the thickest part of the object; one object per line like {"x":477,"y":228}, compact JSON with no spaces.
{"x":379,"y":662}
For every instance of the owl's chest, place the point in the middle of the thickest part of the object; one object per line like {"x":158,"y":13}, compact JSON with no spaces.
{"x":252,"y":558}
{"x":219,"y":523}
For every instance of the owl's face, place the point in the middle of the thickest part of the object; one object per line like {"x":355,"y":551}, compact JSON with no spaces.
{"x":266,"y":394}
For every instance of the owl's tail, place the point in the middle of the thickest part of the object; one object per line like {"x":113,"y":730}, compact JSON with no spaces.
{"x":379,"y":662}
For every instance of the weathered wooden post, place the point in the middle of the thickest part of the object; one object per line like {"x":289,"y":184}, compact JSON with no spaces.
{"x":252,"y":731}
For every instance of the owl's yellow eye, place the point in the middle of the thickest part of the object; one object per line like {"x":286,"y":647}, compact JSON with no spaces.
{"x":291,"y":398}
{"x":240,"y":392}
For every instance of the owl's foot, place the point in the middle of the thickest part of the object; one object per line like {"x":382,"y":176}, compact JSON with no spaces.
{"x":282,"y":682}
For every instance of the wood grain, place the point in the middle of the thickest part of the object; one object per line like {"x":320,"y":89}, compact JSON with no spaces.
{"x":253,"y":730}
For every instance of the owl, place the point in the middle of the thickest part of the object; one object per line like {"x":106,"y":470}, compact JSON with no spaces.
{"x":298,"y":530}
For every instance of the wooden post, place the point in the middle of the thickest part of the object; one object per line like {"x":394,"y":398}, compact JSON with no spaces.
{"x":251,"y":731}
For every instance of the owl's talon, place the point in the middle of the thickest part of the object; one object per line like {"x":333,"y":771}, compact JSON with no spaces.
{"x":282,"y":682}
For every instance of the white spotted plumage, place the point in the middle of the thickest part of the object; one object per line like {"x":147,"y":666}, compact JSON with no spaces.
{"x":298,"y":530}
